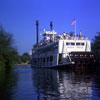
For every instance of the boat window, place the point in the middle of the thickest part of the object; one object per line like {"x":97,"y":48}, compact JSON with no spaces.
{"x":36,"y":60}
{"x":68,"y":43}
{"x":43,"y":59}
{"x":51,"y":58}
{"x":72,"y":43}
{"x":47,"y":59}
{"x":82,"y":44}
{"x":77,"y":43}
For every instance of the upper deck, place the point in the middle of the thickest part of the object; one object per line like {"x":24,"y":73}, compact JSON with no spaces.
{"x":51,"y":37}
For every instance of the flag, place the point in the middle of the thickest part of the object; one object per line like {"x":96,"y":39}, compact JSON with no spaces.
{"x":74,"y":21}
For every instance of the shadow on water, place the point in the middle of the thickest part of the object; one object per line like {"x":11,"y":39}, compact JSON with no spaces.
{"x":77,"y":84}
{"x":8,"y":80}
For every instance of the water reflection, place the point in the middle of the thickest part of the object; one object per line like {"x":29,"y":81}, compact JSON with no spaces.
{"x":24,"y":83}
{"x":7,"y":82}
{"x":45,"y":82}
{"x":96,"y":86}
{"x":65,"y":85}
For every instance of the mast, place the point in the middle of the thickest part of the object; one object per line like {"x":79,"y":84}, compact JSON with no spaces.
{"x":37,"y":25}
{"x":75,"y":30}
{"x":51,"y":25}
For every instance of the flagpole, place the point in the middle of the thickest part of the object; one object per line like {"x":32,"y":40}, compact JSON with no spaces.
{"x":74,"y":23}
{"x":75,"y":30}
{"x":40,"y":36}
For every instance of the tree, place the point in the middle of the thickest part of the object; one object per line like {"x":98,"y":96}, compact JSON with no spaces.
{"x":25,"y":58}
{"x":96,"y":45}
{"x":8,"y":52}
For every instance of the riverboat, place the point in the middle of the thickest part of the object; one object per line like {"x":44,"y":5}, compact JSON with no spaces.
{"x":61,"y":49}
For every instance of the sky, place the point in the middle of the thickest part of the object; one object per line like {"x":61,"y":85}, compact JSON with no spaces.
{"x":18,"y":17}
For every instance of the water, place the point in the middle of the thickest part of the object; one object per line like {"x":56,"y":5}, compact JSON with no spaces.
{"x":24,"y":83}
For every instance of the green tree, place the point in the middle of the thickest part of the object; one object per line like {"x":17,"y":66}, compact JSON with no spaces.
{"x":8,"y":52}
{"x":25,"y":58}
{"x":96,"y":45}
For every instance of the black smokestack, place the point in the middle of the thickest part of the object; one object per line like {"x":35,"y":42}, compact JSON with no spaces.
{"x":51,"y":26}
{"x":37,"y":24}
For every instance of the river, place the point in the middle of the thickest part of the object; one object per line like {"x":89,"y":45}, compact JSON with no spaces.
{"x":25,"y":83}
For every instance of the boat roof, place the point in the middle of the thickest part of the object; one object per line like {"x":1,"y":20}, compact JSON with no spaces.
{"x":49,"y":33}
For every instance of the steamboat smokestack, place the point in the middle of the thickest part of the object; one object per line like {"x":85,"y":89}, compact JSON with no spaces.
{"x":51,"y":26}
{"x":37,"y":25}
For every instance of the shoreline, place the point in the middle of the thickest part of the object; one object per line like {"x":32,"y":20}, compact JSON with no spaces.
{"x":22,"y":64}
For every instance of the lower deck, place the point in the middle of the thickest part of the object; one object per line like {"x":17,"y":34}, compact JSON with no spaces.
{"x":74,"y":58}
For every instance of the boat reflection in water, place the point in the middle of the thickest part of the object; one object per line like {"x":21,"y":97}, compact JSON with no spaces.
{"x":63,"y":85}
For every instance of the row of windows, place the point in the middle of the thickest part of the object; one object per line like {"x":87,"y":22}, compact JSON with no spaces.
{"x":78,"y":44}
{"x":43,"y":59}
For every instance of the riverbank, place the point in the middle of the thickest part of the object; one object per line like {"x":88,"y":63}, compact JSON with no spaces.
{"x":23,"y":64}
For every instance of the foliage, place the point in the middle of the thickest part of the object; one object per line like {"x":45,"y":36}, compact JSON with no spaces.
{"x":25,"y":58}
{"x":8,"y":52}
{"x":96,"y":45}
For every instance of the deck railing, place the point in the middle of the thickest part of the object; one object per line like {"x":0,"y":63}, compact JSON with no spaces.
{"x":49,"y":42}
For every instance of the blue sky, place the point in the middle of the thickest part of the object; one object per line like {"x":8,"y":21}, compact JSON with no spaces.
{"x":18,"y":17}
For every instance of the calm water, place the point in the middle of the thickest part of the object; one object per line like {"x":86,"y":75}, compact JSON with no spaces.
{"x":24,"y":83}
